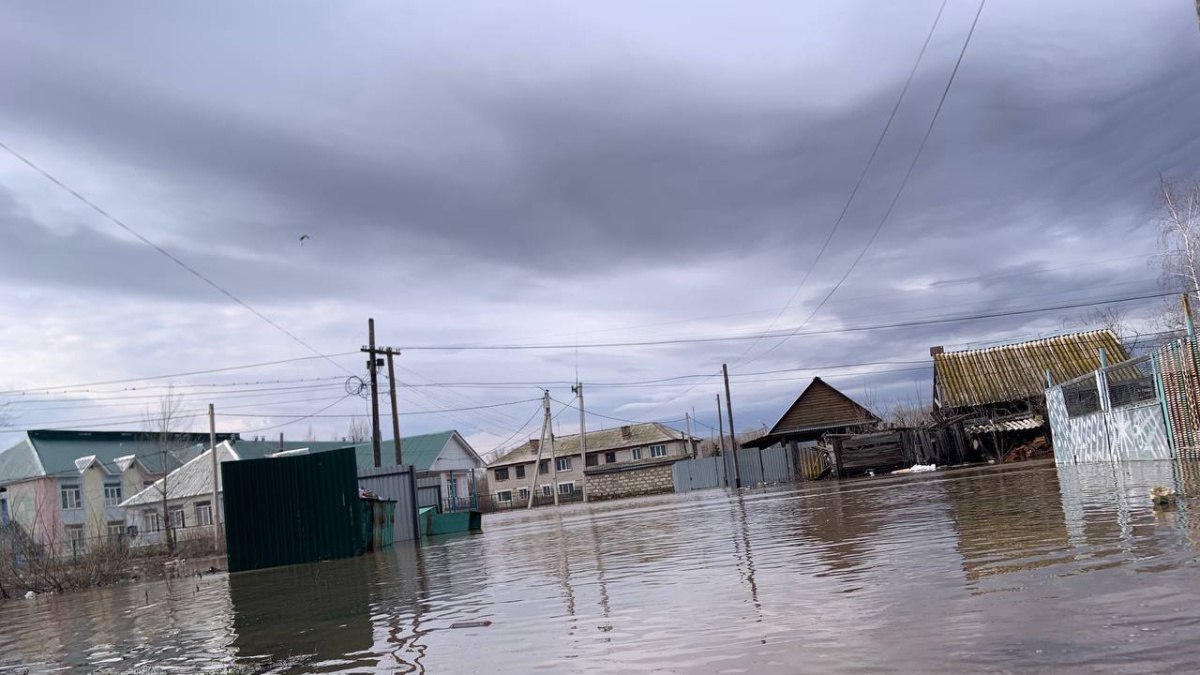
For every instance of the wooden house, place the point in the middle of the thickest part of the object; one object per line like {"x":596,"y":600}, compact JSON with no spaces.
{"x":819,"y":410}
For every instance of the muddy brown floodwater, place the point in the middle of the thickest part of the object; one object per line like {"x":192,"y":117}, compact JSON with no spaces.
{"x":1012,"y":569}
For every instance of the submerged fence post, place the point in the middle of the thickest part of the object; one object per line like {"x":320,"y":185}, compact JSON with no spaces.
{"x":1161,"y":391}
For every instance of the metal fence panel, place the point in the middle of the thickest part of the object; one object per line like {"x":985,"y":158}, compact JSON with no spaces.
{"x":289,"y":510}
{"x":698,"y":474}
{"x":395,"y":483}
{"x":756,"y":467}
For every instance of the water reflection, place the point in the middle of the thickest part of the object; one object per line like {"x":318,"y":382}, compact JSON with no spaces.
{"x":1023,"y":568}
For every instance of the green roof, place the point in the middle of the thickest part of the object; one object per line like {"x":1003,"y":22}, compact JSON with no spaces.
{"x":421,"y":451}
{"x":50,"y":452}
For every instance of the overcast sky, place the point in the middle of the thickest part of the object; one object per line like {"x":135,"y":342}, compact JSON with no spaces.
{"x":566,"y":173}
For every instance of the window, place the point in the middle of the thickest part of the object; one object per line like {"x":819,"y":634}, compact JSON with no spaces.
{"x":177,"y":520}
{"x":636,"y":453}
{"x":204,"y":513}
{"x":147,"y":483}
{"x":72,"y":498}
{"x":523,"y":494}
{"x":566,"y":488}
{"x":75,"y":537}
{"x":116,"y":529}
{"x":502,"y":473}
{"x":591,"y":460}
{"x":610,"y":458}
{"x":504,"y":497}
{"x":3,"y":510}
{"x":563,"y":464}
{"x":547,"y":490}
{"x":544,"y":466}
{"x":520,"y":471}
{"x":658,"y":451}
{"x":153,"y":522}
{"x":112,"y":494}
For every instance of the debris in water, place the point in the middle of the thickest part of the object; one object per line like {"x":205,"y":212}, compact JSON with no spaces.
{"x":471,"y":624}
{"x":29,"y":595}
{"x":1163,"y":497}
{"x":918,"y":468}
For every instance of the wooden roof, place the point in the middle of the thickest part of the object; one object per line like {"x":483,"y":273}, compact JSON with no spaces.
{"x":820,"y":406}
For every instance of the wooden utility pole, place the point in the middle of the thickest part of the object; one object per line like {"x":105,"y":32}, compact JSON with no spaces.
{"x":395,"y":411}
{"x":373,"y":366}
{"x":216,"y":467}
{"x":733,"y":447}
{"x":578,"y":391}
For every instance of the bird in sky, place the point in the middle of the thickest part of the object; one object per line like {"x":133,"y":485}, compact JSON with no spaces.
{"x":302,"y":238}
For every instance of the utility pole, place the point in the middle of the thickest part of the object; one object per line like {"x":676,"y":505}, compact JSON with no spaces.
{"x":373,"y":366}
{"x":537,"y":461}
{"x":553,"y":458}
{"x":395,"y":412}
{"x":737,"y":473}
{"x":687,"y":421}
{"x":720,"y":426}
{"x":216,"y":465}
{"x":578,"y":391}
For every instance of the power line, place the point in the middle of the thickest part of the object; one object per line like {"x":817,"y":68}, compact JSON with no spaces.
{"x":48,"y":390}
{"x":861,"y":176}
{"x":900,"y":191}
{"x":786,"y":334}
{"x":199,"y":275}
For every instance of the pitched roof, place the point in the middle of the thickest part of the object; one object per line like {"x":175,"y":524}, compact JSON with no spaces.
{"x":1018,"y":371}
{"x":51,"y":452}
{"x":193,"y":479}
{"x":420,"y":451}
{"x":597,"y":441}
{"x":821,"y":406}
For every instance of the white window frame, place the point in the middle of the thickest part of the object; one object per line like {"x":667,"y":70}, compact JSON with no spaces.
{"x":178,"y":510}
{"x":204,"y":514}
{"x":658,"y":450}
{"x":76,"y":492}
{"x":562,"y":464}
{"x":75,"y":536}
{"x":113,"y":501}
{"x":153,"y":520}
{"x":523,"y":494}
{"x":115,"y":529}
{"x":635,"y":454}
{"x":547,"y":490}
{"x":570,"y":491}
{"x":500,"y":496}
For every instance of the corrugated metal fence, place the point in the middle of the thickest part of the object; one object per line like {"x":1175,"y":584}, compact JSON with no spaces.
{"x":772,"y":465}
{"x":395,"y":483}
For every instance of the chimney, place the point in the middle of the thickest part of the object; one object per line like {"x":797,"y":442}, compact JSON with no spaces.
{"x":626,"y":432}
{"x":934,"y":351}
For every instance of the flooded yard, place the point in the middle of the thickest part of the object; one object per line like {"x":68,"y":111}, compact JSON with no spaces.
{"x":1019,"y":568}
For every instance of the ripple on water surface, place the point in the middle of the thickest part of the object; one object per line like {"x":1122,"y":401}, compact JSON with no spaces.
{"x":1027,"y":568}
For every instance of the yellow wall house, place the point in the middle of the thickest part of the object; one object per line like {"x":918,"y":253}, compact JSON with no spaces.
{"x":65,"y":488}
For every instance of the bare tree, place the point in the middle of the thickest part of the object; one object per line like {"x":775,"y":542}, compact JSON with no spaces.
{"x":359,"y":431}
{"x":164,"y":425}
{"x":1113,"y":318}
{"x":1179,"y":239}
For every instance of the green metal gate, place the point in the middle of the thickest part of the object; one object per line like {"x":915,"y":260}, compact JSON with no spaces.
{"x":289,"y":510}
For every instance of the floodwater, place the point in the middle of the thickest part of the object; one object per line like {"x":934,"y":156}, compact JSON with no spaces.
{"x":1008,"y":569}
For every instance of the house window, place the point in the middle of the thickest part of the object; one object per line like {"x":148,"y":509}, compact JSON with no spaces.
{"x":566,"y":488}
{"x":544,"y":466}
{"x":153,"y":522}
{"x":3,"y":510}
{"x":204,"y":513}
{"x":658,"y":451}
{"x":610,"y":458}
{"x":502,"y":474}
{"x":523,"y":494}
{"x":520,"y":471}
{"x":547,"y":490}
{"x":75,"y":537}
{"x":591,"y":460}
{"x":177,"y":520}
{"x":636,"y":453}
{"x":72,"y":498}
{"x":504,"y":497}
{"x":116,"y":529}
{"x":563,"y":464}
{"x":112,"y":494}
